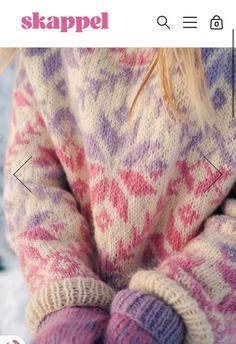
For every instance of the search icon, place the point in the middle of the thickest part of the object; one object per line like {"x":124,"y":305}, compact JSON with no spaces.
{"x":162,"y":21}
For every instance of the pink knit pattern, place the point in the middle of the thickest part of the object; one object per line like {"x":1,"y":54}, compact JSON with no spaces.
{"x":110,"y":200}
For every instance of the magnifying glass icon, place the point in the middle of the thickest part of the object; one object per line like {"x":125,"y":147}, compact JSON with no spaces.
{"x":162,"y":21}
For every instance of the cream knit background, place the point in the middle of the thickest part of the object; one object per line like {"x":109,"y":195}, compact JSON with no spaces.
{"x":114,"y":205}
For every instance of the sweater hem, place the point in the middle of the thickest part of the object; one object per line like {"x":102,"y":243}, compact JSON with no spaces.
{"x":78,"y":291}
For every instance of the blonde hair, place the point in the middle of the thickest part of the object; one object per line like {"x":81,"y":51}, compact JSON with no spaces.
{"x":190,"y":63}
{"x":6,"y":56}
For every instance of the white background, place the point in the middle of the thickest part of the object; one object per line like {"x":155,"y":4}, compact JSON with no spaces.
{"x":131,"y":23}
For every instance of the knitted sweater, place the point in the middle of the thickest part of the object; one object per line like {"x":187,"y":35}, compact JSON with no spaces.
{"x":108,"y":204}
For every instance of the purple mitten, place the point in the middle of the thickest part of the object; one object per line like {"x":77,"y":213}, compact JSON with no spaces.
{"x":73,"y":325}
{"x":137,"y":317}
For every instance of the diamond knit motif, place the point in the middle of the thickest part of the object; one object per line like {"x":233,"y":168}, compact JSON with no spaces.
{"x":144,"y":205}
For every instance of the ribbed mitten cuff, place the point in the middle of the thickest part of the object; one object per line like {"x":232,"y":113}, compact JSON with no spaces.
{"x":151,"y":314}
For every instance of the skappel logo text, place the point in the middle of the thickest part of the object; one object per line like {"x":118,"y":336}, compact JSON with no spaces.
{"x":65,"y":23}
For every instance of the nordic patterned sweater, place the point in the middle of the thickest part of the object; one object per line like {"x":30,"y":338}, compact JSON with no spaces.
{"x":106,"y":204}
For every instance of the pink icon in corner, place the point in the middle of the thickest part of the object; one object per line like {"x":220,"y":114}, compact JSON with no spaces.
{"x":11,"y":340}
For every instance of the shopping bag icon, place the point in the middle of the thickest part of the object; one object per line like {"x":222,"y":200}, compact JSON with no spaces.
{"x":216,"y":23}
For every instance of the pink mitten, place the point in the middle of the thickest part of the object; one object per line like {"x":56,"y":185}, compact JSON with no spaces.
{"x":73,"y":325}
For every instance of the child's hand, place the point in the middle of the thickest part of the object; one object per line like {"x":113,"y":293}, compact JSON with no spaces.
{"x":73,"y":325}
{"x":141,"y":318}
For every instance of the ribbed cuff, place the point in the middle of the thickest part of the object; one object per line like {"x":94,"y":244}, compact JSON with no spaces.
{"x":198,"y":329}
{"x":154,"y":316}
{"x":69,"y":292}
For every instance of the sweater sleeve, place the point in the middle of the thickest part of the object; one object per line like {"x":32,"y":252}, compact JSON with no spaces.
{"x":200,"y":281}
{"x":45,"y":227}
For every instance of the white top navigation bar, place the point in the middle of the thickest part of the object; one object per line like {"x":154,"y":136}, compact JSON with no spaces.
{"x":123,"y":23}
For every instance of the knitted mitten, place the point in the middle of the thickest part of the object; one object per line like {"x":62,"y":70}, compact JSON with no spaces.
{"x":137,"y":317}
{"x":73,"y":325}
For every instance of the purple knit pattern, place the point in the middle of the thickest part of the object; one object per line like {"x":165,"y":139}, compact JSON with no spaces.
{"x":109,"y":199}
{"x":72,"y":325}
{"x":137,"y":317}
{"x":124,"y":330}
